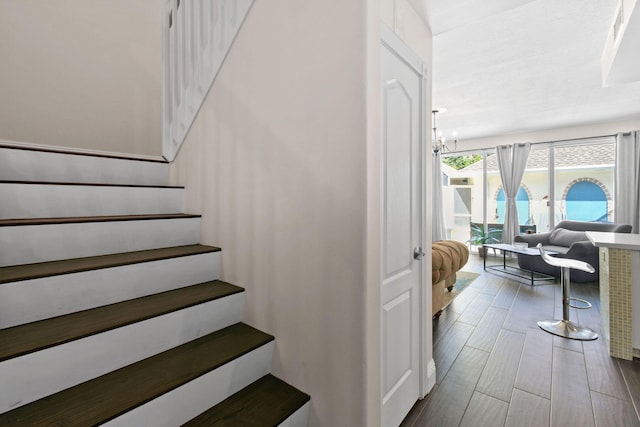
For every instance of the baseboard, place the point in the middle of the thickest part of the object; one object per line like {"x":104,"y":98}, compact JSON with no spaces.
{"x":431,"y":377}
{"x":79,"y":151}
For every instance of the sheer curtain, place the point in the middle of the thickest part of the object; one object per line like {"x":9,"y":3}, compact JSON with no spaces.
{"x":628,"y":180}
{"x":512,"y":161}
{"x":439,"y":230}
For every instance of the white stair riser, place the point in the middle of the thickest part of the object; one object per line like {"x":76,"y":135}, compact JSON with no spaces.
{"x":38,"y":243}
{"x":299,"y":418}
{"x":52,"y":201}
{"x":33,"y":376}
{"x":37,"y":299}
{"x":188,"y":401}
{"x":27,"y":165}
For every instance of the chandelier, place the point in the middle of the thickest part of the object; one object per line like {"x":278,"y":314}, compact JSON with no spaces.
{"x":440,"y":144}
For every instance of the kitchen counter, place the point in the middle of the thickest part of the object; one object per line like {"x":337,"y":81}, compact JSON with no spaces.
{"x":619,"y":291}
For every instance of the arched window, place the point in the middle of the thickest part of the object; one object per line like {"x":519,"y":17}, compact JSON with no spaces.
{"x":586,"y":201}
{"x":522,"y":201}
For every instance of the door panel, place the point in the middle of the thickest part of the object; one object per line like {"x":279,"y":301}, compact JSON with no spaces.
{"x":397,"y":335}
{"x":398,"y":174}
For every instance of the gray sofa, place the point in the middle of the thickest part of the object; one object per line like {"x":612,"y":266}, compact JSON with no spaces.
{"x":569,"y":240}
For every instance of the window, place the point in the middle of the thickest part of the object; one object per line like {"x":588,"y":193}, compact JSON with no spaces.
{"x":522,"y":202}
{"x":586,"y":201}
{"x":584,"y":181}
{"x":562,"y":180}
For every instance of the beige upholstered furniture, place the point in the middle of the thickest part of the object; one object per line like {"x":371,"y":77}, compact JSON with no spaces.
{"x":448,"y":257}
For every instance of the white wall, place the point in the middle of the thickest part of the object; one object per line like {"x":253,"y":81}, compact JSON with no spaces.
{"x":82,"y":74}
{"x":276,"y":161}
{"x":283,"y":160}
{"x":410,"y":25}
{"x":373,"y":241}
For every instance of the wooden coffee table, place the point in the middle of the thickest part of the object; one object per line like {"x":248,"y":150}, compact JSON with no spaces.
{"x":523,"y":273}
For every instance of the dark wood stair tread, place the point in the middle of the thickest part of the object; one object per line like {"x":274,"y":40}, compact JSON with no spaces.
{"x":85,"y":219}
{"x":23,"y":339}
{"x":117,"y":392}
{"x":264,"y":403}
{"x":90,"y":184}
{"x":53,"y":268}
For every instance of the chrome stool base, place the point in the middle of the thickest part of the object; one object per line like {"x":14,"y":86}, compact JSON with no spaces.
{"x":567,"y":329}
{"x":586,"y":303}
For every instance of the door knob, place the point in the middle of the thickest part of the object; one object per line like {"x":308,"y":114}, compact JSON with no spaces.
{"x":418,"y":254}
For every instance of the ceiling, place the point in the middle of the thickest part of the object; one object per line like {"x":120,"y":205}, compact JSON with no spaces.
{"x":512,"y":66}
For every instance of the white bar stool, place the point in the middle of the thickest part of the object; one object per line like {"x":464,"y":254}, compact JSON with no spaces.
{"x":565,"y":328}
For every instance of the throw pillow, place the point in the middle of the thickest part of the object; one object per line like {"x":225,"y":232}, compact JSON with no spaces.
{"x":564,"y":237}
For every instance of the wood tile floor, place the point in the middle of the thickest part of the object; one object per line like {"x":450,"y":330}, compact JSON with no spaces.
{"x":495,"y":367}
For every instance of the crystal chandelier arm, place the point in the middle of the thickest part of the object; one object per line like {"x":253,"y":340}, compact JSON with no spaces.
{"x":439,"y":142}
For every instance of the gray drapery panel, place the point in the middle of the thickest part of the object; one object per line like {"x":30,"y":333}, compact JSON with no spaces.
{"x":512,"y":161}
{"x":439,"y":230}
{"x":627,"y":203}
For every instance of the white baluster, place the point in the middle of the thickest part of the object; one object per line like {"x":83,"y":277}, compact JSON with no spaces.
{"x":197,"y":36}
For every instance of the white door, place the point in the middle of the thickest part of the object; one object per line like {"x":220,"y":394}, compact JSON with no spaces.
{"x":402,"y":129}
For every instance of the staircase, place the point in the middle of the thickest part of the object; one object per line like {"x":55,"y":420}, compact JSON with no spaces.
{"x":111,"y":312}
